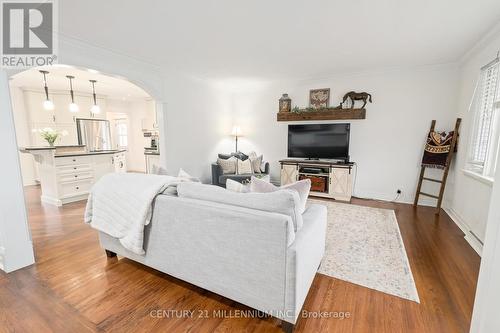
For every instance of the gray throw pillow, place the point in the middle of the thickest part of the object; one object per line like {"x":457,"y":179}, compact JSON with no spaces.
{"x":239,"y":155}
{"x":228,"y":166}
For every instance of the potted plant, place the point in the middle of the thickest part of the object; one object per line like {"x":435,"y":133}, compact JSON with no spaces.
{"x":50,"y":135}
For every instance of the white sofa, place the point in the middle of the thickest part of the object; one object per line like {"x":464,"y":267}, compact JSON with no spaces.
{"x":243,"y":246}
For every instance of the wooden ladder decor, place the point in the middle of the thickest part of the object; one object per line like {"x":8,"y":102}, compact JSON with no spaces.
{"x":445,"y":170}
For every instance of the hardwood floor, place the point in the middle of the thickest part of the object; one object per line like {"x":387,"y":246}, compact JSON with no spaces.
{"x":74,"y":287}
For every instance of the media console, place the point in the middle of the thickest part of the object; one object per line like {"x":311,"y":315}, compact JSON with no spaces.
{"x":329,"y":179}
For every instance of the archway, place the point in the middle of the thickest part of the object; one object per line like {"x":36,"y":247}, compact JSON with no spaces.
{"x":16,"y":249}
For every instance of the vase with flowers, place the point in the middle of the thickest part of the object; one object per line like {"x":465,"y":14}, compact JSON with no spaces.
{"x":51,"y":135}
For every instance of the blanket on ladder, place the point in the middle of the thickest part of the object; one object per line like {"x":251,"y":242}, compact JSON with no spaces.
{"x":120,"y":205}
{"x":437,"y":149}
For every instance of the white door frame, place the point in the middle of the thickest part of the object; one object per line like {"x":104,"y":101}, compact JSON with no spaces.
{"x":16,"y":249}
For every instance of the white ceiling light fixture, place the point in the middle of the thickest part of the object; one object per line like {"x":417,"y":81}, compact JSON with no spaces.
{"x":47,"y":104}
{"x":95,"y":109}
{"x":73,"y":107}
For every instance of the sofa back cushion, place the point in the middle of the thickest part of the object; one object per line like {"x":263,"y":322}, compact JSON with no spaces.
{"x":285,"y":202}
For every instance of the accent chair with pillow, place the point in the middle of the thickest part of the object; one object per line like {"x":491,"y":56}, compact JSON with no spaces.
{"x":238,"y":167}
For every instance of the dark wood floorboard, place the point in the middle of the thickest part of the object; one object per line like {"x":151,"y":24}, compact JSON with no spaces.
{"x":73,"y":287}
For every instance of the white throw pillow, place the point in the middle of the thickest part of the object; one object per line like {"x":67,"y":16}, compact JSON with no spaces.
{"x":303,"y":187}
{"x":182,"y":177}
{"x":257,"y":162}
{"x":235,"y":186}
{"x":228,"y":166}
{"x":244,"y":167}
{"x":186,"y":177}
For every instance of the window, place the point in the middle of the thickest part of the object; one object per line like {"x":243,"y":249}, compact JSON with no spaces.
{"x":484,"y":140}
{"x":121,"y":133}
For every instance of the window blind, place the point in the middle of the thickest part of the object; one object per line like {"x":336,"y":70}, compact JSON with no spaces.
{"x":484,"y":109}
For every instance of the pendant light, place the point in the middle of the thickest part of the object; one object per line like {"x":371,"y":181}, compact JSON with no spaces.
{"x":73,"y":107}
{"x":95,"y":109}
{"x":47,"y":104}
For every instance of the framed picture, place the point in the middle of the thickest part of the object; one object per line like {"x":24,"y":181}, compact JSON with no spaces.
{"x":319,"y":98}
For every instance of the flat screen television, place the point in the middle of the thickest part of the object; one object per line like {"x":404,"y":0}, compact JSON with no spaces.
{"x":319,"y":141}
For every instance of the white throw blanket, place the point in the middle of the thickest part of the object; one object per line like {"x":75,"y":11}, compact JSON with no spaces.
{"x":120,"y":205}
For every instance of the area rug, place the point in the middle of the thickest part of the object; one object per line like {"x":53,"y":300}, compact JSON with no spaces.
{"x":364,"y":246}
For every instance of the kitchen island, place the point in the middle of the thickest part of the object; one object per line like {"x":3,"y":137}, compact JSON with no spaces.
{"x":68,"y":172}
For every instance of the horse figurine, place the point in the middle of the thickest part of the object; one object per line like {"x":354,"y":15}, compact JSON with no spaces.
{"x":354,"y":96}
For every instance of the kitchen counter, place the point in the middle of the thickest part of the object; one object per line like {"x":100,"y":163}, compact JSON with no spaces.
{"x":151,"y":153}
{"x":68,"y":151}
{"x":104,"y":152}
{"x":28,"y":149}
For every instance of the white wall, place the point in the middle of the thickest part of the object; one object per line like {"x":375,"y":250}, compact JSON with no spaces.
{"x":387,"y":145}
{"x":136,"y":111}
{"x":470,"y":198}
{"x":198,"y":123}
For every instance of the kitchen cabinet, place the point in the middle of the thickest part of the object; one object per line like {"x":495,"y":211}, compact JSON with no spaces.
{"x":67,"y":178}
{"x":34,"y":107}
{"x":150,"y":122}
{"x":120,"y":162}
{"x":60,"y":118}
{"x":61,"y":108}
{"x":152,"y":162}
{"x":102,"y":164}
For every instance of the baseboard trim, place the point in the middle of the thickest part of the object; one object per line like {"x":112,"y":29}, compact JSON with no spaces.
{"x":18,"y":256}
{"x":405,"y":199}
{"x":51,"y":201}
{"x":469,"y":236}
{"x":2,"y":257}
{"x":62,"y":201}
{"x":31,"y":183}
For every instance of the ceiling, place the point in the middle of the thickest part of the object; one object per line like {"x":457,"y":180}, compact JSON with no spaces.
{"x":112,"y":87}
{"x":281,"y":39}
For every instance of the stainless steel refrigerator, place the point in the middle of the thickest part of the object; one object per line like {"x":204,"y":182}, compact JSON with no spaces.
{"x":95,"y":134}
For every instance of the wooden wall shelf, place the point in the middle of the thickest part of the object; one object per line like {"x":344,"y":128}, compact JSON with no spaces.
{"x":323,"y":114}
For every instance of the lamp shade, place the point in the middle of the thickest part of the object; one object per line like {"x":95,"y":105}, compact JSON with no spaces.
{"x":236,"y":131}
{"x":95,"y":109}
{"x":48,"y":105}
{"x":73,"y":107}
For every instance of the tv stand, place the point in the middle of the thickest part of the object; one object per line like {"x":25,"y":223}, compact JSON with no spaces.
{"x":330,"y":179}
